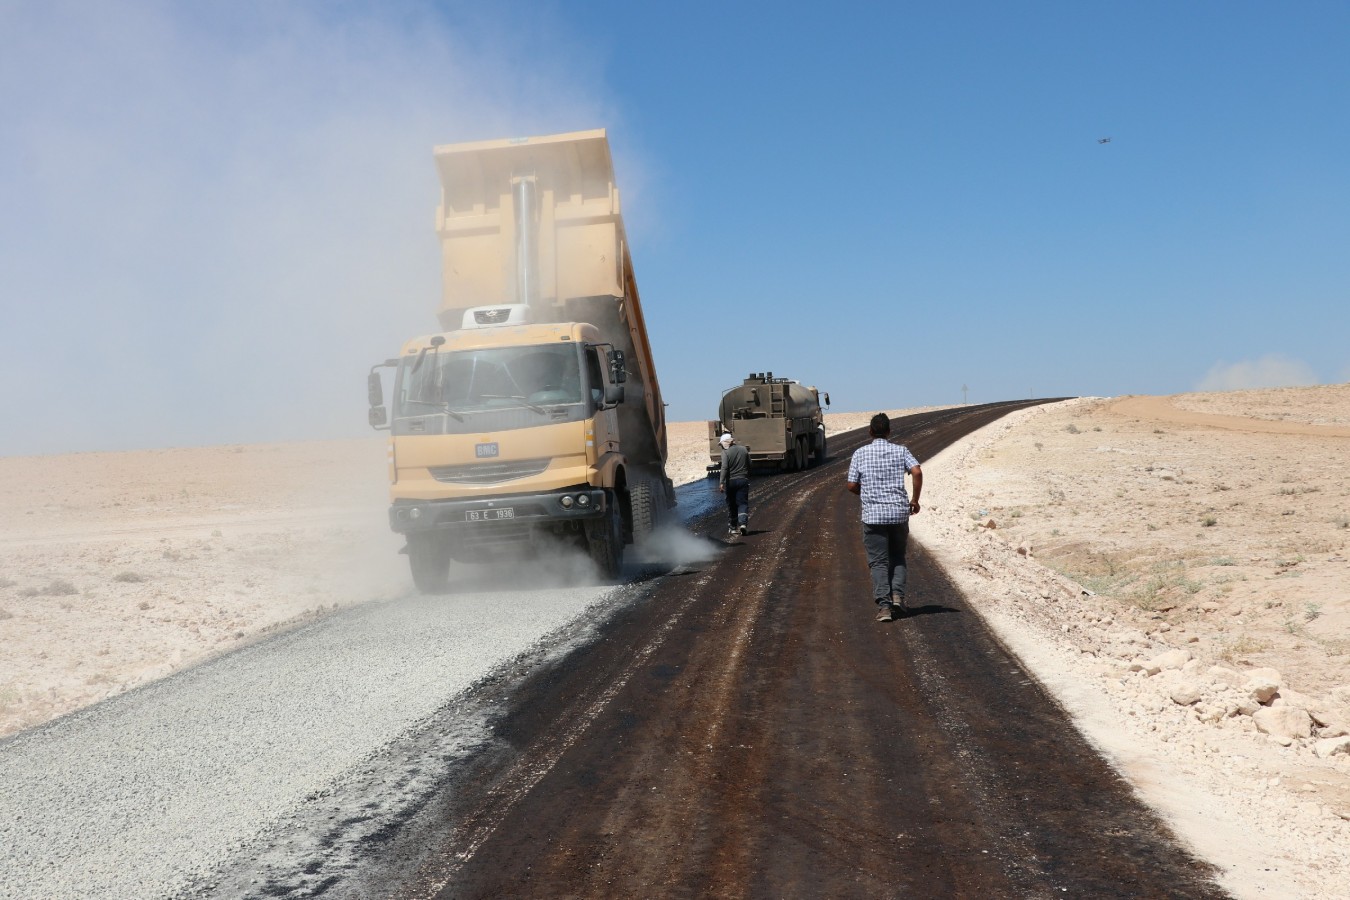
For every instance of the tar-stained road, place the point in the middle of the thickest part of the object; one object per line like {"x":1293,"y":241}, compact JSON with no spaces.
{"x":746,"y":729}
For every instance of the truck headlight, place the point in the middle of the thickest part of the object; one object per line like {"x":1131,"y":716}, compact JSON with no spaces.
{"x":583,"y":500}
{"x":566,"y":501}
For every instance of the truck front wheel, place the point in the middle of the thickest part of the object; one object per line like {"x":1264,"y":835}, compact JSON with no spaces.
{"x":604,"y":538}
{"x":642,"y":496}
{"x":429,"y":559}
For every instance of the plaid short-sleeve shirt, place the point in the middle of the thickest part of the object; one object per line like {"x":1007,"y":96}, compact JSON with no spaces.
{"x":880,"y":467}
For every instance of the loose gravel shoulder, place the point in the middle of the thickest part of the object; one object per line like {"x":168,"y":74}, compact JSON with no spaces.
{"x":142,"y":795}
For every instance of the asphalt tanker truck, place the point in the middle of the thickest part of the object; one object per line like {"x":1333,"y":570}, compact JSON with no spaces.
{"x":532,"y":421}
{"x":778,"y":420}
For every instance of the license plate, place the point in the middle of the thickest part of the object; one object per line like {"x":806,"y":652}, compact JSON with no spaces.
{"x":489,"y":515}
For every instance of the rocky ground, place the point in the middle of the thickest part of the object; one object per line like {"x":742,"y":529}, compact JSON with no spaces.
{"x":1173,"y":569}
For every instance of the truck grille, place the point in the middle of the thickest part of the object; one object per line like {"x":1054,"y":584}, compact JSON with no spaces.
{"x":490,"y":472}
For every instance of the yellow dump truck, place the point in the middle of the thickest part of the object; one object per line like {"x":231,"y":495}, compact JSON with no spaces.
{"x":778,"y":420}
{"x":533,"y":420}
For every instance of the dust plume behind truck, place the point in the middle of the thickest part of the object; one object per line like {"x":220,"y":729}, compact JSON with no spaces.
{"x":780,"y":421}
{"x":533,"y":420}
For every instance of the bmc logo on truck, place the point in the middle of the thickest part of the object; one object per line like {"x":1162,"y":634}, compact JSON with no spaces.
{"x":483,"y":451}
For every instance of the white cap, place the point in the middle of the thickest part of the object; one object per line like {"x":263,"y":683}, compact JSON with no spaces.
{"x":726,"y":439}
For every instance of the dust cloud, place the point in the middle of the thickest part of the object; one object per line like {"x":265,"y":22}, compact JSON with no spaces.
{"x":674,"y":546}
{"x":218,"y":215}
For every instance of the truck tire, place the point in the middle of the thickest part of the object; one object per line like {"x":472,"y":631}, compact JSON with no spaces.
{"x":801,"y":453}
{"x":430,"y":563}
{"x":604,"y":539}
{"x":642,"y":498}
{"x":820,"y":454}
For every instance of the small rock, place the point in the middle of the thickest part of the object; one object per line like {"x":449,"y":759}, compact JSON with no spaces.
{"x":1283,"y":722}
{"x":1263,"y":684}
{"x":1230,"y":677}
{"x":990,"y":524}
{"x":1186,"y":693}
{"x":1170,"y":659}
{"x":1328,"y":747}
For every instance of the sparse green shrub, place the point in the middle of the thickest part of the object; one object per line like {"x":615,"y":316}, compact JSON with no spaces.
{"x":60,"y":588}
{"x":1239,"y":648}
{"x":129,"y":577}
{"x":1209,"y":521}
{"x":1311,"y":611}
{"x":1071,"y":428}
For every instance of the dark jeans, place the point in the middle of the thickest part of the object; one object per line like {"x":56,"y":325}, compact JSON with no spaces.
{"x":738,"y":501}
{"x":885,"y":546}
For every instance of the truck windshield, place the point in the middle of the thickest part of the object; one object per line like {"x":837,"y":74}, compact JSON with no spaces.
{"x":498,"y":388}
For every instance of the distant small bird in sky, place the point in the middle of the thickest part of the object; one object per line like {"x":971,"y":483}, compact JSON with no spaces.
{"x":1103,"y":140}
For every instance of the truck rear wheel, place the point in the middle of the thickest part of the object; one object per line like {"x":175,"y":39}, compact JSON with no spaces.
{"x":429,"y":559}
{"x":820,"y":448}
{"x":604,"y":539}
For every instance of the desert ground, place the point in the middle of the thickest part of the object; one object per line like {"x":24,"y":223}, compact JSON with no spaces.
{"x":1174,"y":569}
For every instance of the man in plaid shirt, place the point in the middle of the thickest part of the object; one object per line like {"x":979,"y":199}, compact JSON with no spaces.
{"x":877,"y":475}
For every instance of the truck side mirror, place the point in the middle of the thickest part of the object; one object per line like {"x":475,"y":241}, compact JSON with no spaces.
{"x":827,"y":398}
{"x":378,"y":415}
{"x":616,"y":367}
{"x":613,"y":394}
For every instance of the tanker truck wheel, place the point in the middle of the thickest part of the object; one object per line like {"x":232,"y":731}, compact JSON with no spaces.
{"x":430,"y":563}
{"x":820,"y":448}
{"x":642,"y":496}
{"x":801,"y":453}
{"x":604,"y":538}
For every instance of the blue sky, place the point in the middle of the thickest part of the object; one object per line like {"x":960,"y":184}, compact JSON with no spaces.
{"x":215,"y":216}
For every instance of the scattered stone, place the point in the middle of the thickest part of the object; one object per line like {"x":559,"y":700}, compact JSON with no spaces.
{"x":1263,"y":684}
{"x":1186,"y":693}
{"x":1283,"y":722}
{"x":990,"y":524}
{"x":1230,"y":677}
{"x":1169,"y":659}
{"x":1328,"y":747}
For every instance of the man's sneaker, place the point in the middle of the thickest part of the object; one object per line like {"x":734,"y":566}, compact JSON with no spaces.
{"x":885,"y":612}
{"x":732,"y":532}
{"x":745,"y":529}
{"x":898,"y":601}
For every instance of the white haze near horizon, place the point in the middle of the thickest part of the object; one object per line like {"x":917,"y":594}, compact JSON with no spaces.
{"x":216,"y":216}
{"x":1272,"y":371}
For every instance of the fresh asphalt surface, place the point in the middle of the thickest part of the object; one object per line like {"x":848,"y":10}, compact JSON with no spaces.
{"x":728,"y":727}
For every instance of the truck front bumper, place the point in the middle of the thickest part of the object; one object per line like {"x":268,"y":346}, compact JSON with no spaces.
{"x":501,"y":518}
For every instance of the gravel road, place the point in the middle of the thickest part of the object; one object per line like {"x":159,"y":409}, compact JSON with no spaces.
{"x":146,"y":794}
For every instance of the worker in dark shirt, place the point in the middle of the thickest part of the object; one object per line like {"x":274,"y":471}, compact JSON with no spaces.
{"x":735,"y":483}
